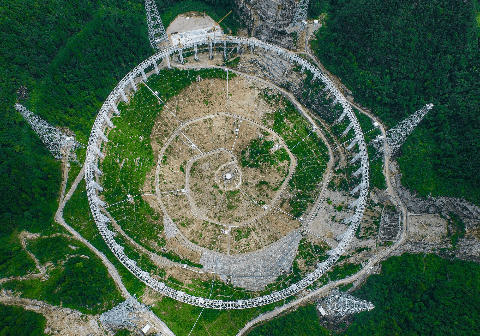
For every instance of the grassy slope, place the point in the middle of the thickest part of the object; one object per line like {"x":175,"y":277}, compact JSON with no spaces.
{"x":302,"y":322}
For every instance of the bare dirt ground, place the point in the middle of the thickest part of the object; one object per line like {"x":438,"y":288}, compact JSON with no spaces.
{"x":427,"y":228}
{"x":189,"y":21}
{"x":60,"y":321}
{"x":193,"y":191}
{"x":328,"y":223}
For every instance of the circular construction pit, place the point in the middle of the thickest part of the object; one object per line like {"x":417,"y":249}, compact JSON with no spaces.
{"x":230,"y":169}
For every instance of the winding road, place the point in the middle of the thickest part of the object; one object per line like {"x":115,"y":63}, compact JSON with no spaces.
{"x":366,"y":270}
{"x":60,"y":220}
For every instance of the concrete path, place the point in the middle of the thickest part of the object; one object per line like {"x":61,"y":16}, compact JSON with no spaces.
{"x":60,"y":220}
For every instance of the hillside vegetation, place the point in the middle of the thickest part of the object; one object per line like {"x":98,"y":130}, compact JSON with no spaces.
{"x":69,"y":55}
{"x":396,"y":56}
{"x":435,"y":297}
{"x":20,"y":322}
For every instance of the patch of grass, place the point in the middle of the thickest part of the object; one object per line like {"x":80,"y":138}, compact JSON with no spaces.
{"x":77,"y":213}
{"x":174,"y":257}
{"x":310,"y":151}
{"x":232,"y":63}
{"x":369,"y":130}
{"x":14,"y":260}
{"x":346,"y":287}
{"x":458,"y":228}
{"x":257,"y":153}
{"x":138,"y":221}
{"x":303,"y":321}
{"x":377,"y":179}
{"x":82,"y":283}
{"x":343,"y":271}
{"x":311,"y":253}
{"x":181,"y":317}
{"x":242,"y":233}
{"x":56,"y":249}
{"x":20,"y":322}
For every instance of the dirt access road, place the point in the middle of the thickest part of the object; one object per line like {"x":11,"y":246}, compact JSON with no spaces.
{"x":366,"y":270}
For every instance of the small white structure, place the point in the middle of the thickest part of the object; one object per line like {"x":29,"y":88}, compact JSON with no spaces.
{"x":198,"y":35}
{"x":146,"y":329}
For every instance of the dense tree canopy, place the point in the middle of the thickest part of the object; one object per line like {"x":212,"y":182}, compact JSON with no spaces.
{"x":435,"y":297}
{"x":397,"y":56}
{"x":20,"y":322}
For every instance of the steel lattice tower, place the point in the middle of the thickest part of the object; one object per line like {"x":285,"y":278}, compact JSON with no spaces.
{"x":301,"y":13}
{"x":156,"y":30}
{"x":396,"y":136}
{"x":54,"y":139}
{"x":341,"y":304}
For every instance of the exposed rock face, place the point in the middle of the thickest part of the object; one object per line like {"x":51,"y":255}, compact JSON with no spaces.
{"x":469,"y":213}
{"x":269,"y":20}
{"x":254,"y":270}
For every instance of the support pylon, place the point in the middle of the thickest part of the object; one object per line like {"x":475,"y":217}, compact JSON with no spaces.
{"x":156,"y":30}
{"x":301,"y":13}
{"x":395,"y":137}
{"x":56,"y":142}
{"x":341,"y":304}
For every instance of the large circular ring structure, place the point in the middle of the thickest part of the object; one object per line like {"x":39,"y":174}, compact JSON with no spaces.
{"x":97,"y":137}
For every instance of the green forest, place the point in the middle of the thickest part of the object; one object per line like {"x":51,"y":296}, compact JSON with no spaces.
{"x":69,"y":55}
{"x":396,"y":56}
{"x":435,"y":297}
{"x":20,"y":322}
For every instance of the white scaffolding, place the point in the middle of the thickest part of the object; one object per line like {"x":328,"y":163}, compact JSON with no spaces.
{"x":341,"y":304}
{"x":94,"y":153}
{"x":58,"y":143}
{"x":123,"y":315}
{"x":396,"y":136}
{"x":300,"y":17}
{"x":156,"y":30}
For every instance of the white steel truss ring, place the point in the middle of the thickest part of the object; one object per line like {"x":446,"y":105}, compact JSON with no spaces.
{"x":94,"y":151}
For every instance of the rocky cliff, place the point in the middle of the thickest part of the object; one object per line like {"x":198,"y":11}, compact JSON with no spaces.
{"x":270,"y":21}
